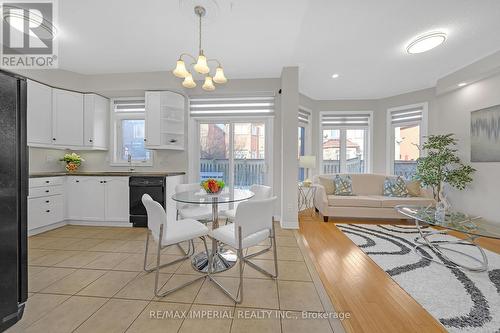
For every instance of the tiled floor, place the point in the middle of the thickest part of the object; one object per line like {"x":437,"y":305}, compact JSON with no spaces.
{"x":90,"y":279}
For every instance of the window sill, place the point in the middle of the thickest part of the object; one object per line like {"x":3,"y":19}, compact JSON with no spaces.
{"x":134,"y":165}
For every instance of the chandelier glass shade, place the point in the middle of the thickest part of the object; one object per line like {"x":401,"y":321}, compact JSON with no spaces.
{"x":199,"y":64}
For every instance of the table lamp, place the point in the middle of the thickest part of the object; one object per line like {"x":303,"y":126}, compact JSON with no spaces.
{"x":307,"y":162}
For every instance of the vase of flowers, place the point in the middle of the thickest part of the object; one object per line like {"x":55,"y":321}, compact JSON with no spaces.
{"x":212,"y":186}
{"x":73,"y":161}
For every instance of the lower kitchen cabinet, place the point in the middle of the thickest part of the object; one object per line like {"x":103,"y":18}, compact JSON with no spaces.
{"x":85,"y":198}
{"x":100,"y":199}
{"x":45,"y":203}
{"x":116,"y":198}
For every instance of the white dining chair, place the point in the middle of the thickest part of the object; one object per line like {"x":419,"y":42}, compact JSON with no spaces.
{"x":167,"y":233}
{"x":202,"y":213}
{"x":253,"y":224}
{"x":260,"y":192}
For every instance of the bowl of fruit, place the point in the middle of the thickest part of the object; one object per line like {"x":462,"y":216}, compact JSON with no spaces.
{"x":212,"y":186}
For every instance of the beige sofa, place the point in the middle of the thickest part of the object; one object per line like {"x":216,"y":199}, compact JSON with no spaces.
{"x":368,"y":200}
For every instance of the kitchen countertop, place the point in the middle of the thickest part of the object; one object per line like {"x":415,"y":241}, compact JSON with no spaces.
{"x":107,"y":174}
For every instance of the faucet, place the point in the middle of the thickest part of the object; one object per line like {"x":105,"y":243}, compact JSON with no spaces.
{"x":129,"y":160}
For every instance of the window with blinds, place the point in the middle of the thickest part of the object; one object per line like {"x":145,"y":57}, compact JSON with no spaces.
{"x":345,"y":119}
{"x":405,"y":116}
{"x":304,"y":115}
{"x":129,"y":105}
{"x":232,"y":106}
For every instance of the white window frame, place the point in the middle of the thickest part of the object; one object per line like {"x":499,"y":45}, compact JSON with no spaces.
{"x":115,"y":137}
{"x":343,"y":149}
{"x":390,"y":138}
{"x":194,"y":143}
{"x":308,"y":136}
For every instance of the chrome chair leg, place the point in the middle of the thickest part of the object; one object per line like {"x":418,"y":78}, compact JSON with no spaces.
{"x":239,"y":292}
{"x":158,"y":292}
{"x":149,"y":270}
{"x":275,"y":256}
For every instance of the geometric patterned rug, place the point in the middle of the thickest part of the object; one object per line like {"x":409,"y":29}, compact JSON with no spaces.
{"x":462,"y":301}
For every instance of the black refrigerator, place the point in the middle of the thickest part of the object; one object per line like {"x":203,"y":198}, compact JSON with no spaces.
{"x":13,"y":199}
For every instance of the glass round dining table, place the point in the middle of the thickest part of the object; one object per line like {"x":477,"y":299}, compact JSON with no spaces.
{"x":222,"y":259}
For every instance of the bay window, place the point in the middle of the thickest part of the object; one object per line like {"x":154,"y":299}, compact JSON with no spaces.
{"x":407,"y":128}
{"x":345,"y":142}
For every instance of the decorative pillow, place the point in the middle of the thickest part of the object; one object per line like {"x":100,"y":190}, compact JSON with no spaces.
{"x":328,"y":184}
{"x":414,"y":188}
{"x":343,"y":185}
{"x":395,"y":187}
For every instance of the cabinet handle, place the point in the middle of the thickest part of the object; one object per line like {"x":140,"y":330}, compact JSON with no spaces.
{"x":47,"y":181}
{"x":47,"y":191}
{"x":47,"y":211}
{"x":77,"y":181}
{"x":90,"y":140}
{"x":53,"y":139}
{"x":101,"y":182}
{"x":47,"y":201}
{"x":105,"y":181}
{"x":145,"y":140}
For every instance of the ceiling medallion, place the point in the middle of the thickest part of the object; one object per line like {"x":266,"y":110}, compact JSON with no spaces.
{"x":200,"y":65}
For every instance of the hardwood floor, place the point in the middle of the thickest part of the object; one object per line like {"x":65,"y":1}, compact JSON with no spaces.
{"x":357,"y":285}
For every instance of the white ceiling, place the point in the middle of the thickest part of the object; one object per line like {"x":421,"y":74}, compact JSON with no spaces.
{"x":361,"y":40}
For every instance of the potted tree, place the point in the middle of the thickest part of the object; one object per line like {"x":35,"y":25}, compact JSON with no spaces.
{"x":442,"y":165}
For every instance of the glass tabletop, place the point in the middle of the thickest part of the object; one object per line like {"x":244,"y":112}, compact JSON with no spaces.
{"x":453,"y":220}
{"x":202,"y":197}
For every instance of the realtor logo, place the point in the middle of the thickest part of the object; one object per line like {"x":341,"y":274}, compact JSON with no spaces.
{"x":28,"y":35}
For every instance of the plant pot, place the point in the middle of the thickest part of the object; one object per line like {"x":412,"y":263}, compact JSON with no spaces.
{"x":72,"y":167}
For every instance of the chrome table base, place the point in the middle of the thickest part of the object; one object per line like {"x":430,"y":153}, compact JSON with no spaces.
{"x":222,"y":259}
{"x":439,"y":247}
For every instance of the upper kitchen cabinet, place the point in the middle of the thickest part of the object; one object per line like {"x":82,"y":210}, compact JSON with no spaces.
{"x":39,"y":114}
{"x":67,"y":109}
{"x":165,"y":119}
{"x":95,"y":125}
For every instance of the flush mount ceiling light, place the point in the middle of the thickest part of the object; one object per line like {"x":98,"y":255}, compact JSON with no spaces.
{"x":426,"y":42}
{"x":200,"y":64}
{"x":334,"y":76}
{"x":462,"y":84}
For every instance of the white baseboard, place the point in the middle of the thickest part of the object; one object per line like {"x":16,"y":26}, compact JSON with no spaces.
{"x":100,"y":223}
{"x":289,"y":224}
{"x":37,"y":231}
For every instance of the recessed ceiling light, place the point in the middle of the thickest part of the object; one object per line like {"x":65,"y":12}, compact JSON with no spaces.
{"x":426,"y":42}
{"x":334,"y":76}
{"x":462,"y":84}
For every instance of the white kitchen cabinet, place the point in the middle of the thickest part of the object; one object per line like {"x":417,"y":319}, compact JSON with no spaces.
{"x":39,"y":114}
{"x":45,"y":204}
{"x":85,"y":198}
{"x":98,"y":199}
{"x":165,"y":120}
{"x":67,"y":108}
{"x":116,"y":198}
{"x":96,"y":115}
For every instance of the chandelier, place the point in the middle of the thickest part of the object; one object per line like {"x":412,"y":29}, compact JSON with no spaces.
{"x":200,"y":65}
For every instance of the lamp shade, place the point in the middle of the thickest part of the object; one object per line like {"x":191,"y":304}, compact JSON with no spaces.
{"x":209,"y":84}
{"x":201,"y":65}
{"x":307,"y":161}
{"x":180,"y":69}
{"x":219,"y":76}
{"x":189,"y":82}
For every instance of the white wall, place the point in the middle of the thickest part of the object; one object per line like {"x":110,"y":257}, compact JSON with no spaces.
{"x":289,"y":137}
{"x":482,"y":197}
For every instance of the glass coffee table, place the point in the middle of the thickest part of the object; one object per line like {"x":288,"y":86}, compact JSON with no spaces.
{"x":472,"y":227}
{"x":222,"y":259}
